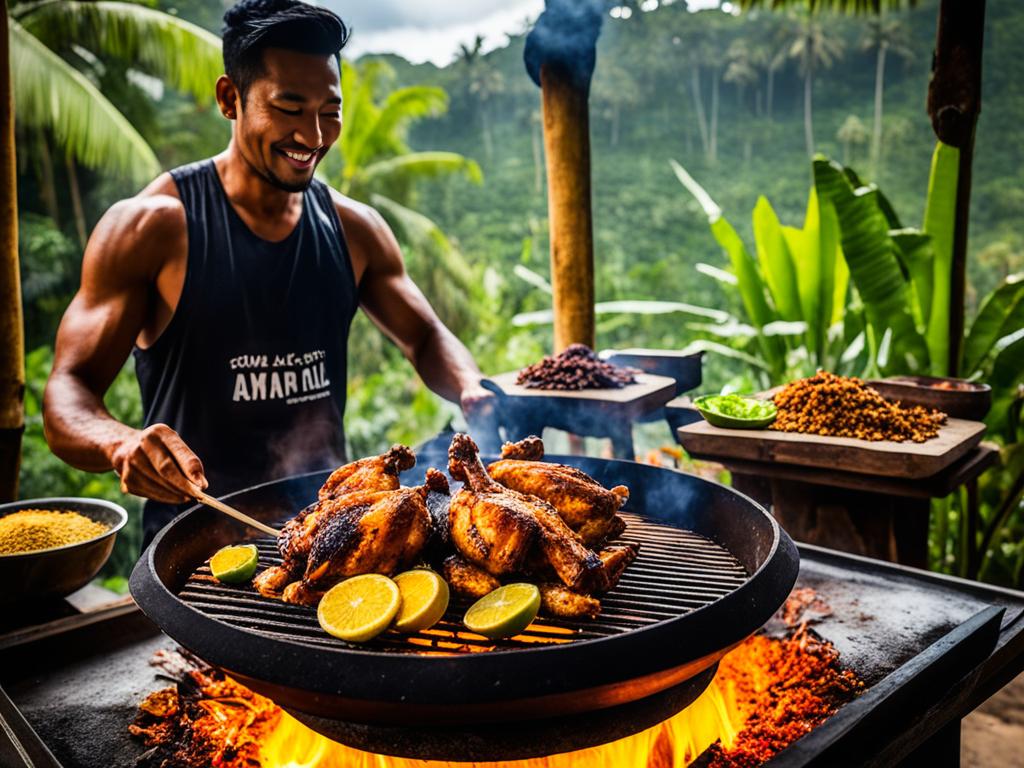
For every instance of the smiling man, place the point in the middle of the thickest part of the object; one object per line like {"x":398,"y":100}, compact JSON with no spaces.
{"x":234,"y":281}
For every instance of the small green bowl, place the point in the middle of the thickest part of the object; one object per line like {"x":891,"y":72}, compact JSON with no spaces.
{"x":732,"y":422}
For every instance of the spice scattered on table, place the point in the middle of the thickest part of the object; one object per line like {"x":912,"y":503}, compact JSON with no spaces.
{"x":844,"y":406}
{"x":577,"y":367}
{"x":32,"y":529}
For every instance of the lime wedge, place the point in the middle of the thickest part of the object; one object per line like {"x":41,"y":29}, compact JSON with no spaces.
{"x":360,"y":608}
{"x":424,"y":600}
{"x":234,"y":565}
{"x":505,"y":612}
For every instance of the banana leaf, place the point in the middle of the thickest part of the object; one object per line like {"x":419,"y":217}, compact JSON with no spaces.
{"x":874,"y":267}
{"x":939,"y":218}
{"x":914,"y":250}
{"x":776,"y":262}
{"x":1001,"y":313}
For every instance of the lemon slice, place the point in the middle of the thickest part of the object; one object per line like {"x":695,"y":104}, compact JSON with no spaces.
{"x":504,"y":612}
{"x":234,"y":565}
{"x":424,"y":600}
{"x":360,"y":608}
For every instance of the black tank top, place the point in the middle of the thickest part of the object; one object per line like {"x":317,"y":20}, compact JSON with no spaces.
{"x":251,"y":370}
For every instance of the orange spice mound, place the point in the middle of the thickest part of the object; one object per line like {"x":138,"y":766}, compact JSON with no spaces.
{"x":207,"y":719}
{"x":785,"y":688}
{"x":844,"y":406}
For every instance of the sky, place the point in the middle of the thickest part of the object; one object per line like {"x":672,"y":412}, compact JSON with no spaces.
{"x":431,"y":30}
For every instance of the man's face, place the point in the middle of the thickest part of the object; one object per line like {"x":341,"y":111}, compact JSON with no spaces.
{"x":290,"y":117}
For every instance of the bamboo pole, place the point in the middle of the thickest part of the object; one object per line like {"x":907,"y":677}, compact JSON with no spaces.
{"x":954,"y":103}
{"x":567,"y":153}
{"x":12,"y":340}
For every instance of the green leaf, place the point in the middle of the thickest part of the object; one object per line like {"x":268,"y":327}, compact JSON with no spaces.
{"x":531,"y":277}
{"x":632,"y":307}
{"x":51,"y":94}
{"x":939,"y":221}
{"x":1002,"y":312}
{"x":184,"y":55}
{"x":914,"y":250}
{"x":773,"y":253}
{"x":721,"y":275}
{"x":1008,"y":369}
{"x":420,"y":165}
{"x":706,"y":345}
{"x":871,"y":255}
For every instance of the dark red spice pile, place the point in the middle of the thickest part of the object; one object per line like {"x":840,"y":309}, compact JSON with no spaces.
{"x":577,"y":367}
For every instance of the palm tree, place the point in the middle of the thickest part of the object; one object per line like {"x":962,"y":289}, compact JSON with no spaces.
{"x":50,"y":46}
{"x":813,"y":48}
{"x":378,"y":167}
{"x":851,"y":133}
{"x":55,"y":48}
{"x":883,"y":35}
{"x":484,"y":83}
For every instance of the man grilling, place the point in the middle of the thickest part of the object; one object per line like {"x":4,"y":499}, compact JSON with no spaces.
{"x":234,"y":281}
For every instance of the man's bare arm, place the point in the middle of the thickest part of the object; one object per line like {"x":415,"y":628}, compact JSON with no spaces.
{"x":398,"y":307}
{"x":119,"y":273}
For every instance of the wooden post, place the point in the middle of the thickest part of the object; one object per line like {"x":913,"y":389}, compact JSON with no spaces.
{"x":12,"y":340}
{"x":567,"y":152}
{"x":954,"y":103}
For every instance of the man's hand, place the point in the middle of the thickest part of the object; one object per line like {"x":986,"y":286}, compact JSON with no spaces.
{"x":155,"y":463}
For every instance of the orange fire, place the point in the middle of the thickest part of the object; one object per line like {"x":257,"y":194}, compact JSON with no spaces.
{"x":714,"y":716}
{"x":767,"y":693}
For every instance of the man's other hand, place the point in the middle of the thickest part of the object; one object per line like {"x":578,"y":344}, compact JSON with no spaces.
{"x":155,"y":463}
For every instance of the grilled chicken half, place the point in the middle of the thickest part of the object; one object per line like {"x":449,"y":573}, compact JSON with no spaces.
{"x":587,"y":507}
{"x":362,"y":531}
{"x":504,"y":531}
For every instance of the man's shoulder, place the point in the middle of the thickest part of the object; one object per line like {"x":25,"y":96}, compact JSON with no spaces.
{"x":154,"y":213}
{"x":358,"y":219}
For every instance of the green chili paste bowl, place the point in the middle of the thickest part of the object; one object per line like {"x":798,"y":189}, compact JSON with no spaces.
{"x":736,"y":411}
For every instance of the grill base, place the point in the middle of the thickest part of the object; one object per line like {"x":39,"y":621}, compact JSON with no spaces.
{"x":521,"y":741}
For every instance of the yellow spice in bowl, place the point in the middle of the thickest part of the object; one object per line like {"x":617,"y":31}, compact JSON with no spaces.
{"x":33,"y":529}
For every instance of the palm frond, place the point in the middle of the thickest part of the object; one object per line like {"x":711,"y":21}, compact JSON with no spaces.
{"x":186,"y":56}
{"x":399,"y":109}
{"x":49,"y":93}
{"x":419,"y":165}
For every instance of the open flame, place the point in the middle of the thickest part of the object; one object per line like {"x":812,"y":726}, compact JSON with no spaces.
{"x":767,"y":694}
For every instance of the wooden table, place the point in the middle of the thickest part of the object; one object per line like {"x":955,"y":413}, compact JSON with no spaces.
{"x":593,"y":412}
{"x":866,"y":498}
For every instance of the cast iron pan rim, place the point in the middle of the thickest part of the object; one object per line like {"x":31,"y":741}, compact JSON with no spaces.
{"x":49,"y":503}
{"x":209,"y":637}
{"x":518,"y":652}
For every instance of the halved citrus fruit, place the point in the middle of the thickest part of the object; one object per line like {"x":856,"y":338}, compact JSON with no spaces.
{"x":506,"y":611}
{"x":424,"y":599}
{"x":360,"y":608}
{"x":236,"y":564}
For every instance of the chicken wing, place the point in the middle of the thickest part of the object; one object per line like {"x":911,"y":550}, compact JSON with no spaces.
{"x":587,"y":507}
{"x":375,"y":473}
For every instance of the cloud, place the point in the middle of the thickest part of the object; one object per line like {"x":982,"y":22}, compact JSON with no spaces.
{"x":432,"y":32}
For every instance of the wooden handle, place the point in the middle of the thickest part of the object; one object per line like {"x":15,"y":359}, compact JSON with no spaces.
{"x":220,"y":506}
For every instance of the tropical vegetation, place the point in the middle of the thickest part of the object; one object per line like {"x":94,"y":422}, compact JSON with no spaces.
{"x":737,"y":101}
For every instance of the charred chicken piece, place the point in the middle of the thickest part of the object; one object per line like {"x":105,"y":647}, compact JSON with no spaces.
{"x":376,"y":473}
{"x":467,"y":579}
{"x":559,"y":600}
{"x":587,"y":507}
{"x":495,"y":527}
{"x":360,"y":532}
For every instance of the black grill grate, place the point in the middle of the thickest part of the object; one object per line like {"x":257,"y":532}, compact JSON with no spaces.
{"x":677,"y":571}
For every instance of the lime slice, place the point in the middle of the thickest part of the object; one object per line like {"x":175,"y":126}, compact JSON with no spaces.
{"x":234,"y":565}
{"x":504,"y":612}
{"x":424,"y":600}
{"x":360,"y":608}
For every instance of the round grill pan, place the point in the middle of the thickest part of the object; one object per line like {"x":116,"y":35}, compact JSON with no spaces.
{"x":713,"y":567}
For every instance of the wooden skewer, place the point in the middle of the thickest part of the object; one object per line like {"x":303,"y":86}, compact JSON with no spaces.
{"x":232,"y":512}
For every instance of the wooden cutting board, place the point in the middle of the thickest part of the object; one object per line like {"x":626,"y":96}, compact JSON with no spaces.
{"x":882,"y":457}
{"x":631,"y":401}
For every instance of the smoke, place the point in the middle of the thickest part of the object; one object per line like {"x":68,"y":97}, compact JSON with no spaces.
{"x":312,"y":443}
{"x":565,"y":37}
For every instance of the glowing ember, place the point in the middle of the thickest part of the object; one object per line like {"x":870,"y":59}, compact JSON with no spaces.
{"x":767,"y":694}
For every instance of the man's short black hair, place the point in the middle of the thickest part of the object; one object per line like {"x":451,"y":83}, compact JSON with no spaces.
{"x":252,"y":25}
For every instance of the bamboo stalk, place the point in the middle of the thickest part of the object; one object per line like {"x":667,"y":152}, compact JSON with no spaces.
{"x":567,"y":153}
{"x":12,"y":339}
